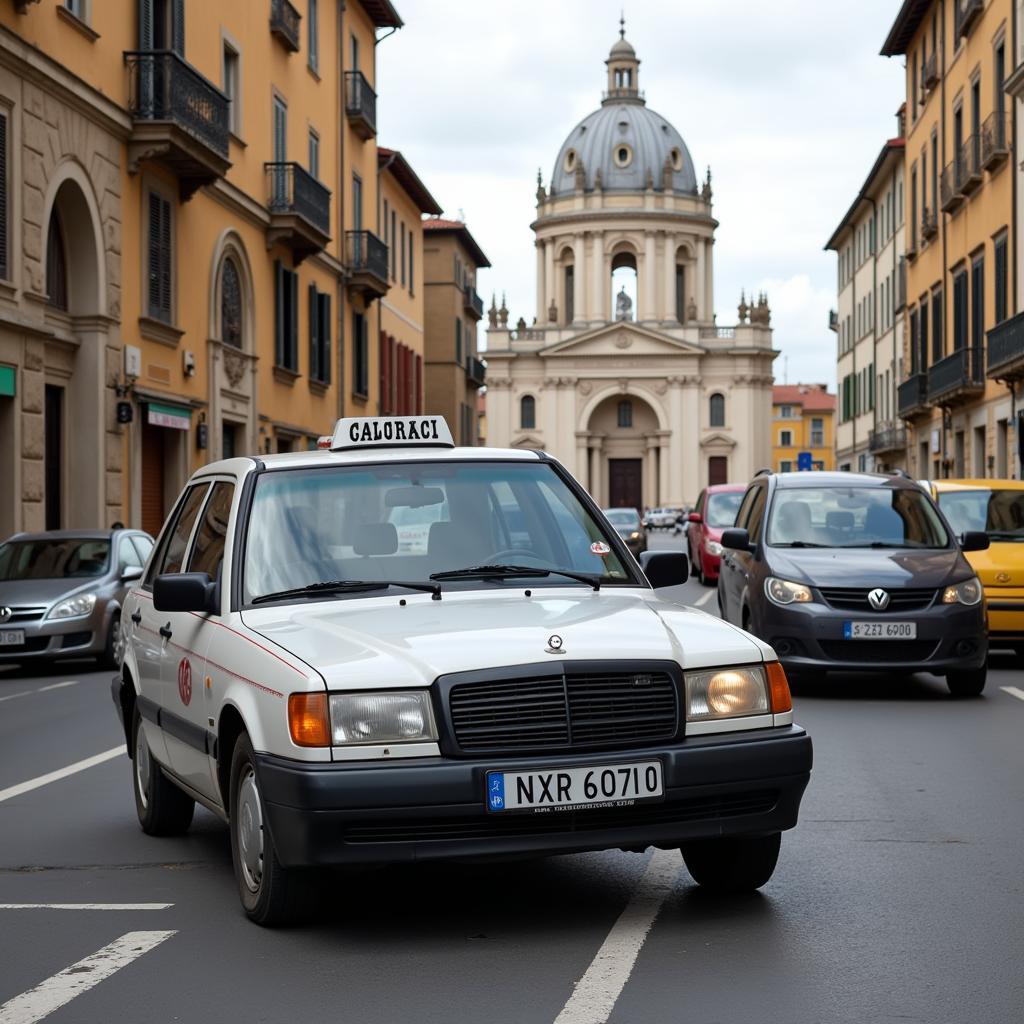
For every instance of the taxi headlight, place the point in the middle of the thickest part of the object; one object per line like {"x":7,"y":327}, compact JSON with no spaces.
{"x":784,"y":592}
{"x":390,"y":717}
{"x":73,"y":607}
{"x":712,"y":547}
{"x":726,"y":693}
{"x":969,"y":592}
{"x":635,"y":535}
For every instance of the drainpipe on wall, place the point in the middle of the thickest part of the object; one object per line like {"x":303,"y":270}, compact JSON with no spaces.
{"x":946,"y":298}
{"x":341,"y":122}
{"x":874,"y":310}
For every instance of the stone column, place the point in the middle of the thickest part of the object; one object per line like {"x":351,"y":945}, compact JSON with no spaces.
{"x":668,"y":303}
{"x":663,"y":466}
{"x":650,"y":471}
{"x":678,"y":442}
{"x":701,"y":290}
{"x":582,"y":468}
{"x":560,"y":444}
{"x":543,"y":299}
{"x":709,"y":274}
{"x":691,"y":419}
{"x":599,"y":311}
{"x":550,"y":291}
{"x":579,"y":254}
{"x":596,"y":442}
{"x":647,"y":291}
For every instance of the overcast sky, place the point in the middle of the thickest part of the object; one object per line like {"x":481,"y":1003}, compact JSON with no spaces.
{"x":789,"y":102}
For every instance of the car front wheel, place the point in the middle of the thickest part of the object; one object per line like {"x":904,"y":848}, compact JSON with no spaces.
{"x":163,"y":809}
{"x":733,"y":864}
{"x":968,"y":683}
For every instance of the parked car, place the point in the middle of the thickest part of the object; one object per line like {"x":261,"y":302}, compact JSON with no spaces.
{"x":715,"y":511}
{"x":660,"y":518}
{"x":629,"y":526}
{"x":997,"y":508}
{"x":61,"y":593}
{"x":857,"y":572}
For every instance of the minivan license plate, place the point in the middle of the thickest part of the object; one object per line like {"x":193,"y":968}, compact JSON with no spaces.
{"x":880,"y":630}
{"x":560,"y":789}
{"x":12,"y":637}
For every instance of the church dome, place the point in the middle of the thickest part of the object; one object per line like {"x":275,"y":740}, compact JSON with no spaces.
{"x":624,"y":139}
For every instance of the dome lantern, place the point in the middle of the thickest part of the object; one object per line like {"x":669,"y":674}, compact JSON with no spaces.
{"x":623,"y":71}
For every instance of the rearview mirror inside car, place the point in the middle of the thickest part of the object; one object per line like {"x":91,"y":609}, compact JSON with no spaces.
{"x":974,"y":540}
{"x":413,"y":497}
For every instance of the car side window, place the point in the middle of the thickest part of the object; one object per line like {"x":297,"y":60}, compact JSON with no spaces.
{"x":756,"y":515}
{"x":143,"y":547}
{"x":177,"y":540}
{"x":700,"y":503}
{"x":743,"y":515}
{"x":208,"y":549}
{"x":127,"y":555}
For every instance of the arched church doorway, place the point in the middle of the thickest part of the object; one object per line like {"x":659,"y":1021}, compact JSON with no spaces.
{"x":623,"y":443}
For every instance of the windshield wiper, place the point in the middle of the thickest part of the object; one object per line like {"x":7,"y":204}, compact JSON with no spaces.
{"x":801,"y":544}
{"x":500,"y":571}
{"x":346,"y":587}
{"x":881,"y":544}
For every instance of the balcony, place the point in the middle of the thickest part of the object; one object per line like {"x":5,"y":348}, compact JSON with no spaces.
{"x":968,"y":13}
{"x":995,"y":140}
{"x":284,"y":23}
{"x":300,"y":209}
{"x":476,"y":372}
{"x":366,"y":263}
{"x":360,"y":105}
{"x":1006,"y":349}
{"x":888,"y":437}
{"x":929,"y":224}
{"x":912,"y":396}
{"x":930,"y":72}
{"x":833,"y":320}
{"x":901,"y":285}
{"x":958,"y":378}
{"x":970,"y":162}
{"x":179,"y":120}
{"x":950,"y":195}
{"x":472,"y":303}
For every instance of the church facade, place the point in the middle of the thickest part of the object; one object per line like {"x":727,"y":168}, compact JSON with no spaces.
{"x":648,"y":405}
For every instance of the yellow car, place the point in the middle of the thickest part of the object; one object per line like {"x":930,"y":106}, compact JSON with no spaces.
{"x":997,"y":507}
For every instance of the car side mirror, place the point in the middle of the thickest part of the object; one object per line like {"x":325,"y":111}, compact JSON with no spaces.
{"x":665,"y":568}
{"x":737,"y":539}
{"x":185,"y":592}
{"x":131,"y":573}
{"x":694,"y":517}
{"x":974,"y":540}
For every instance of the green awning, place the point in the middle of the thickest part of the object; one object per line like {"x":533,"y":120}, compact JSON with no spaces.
{"x":8,"y":382}
{"x":160,"y":414}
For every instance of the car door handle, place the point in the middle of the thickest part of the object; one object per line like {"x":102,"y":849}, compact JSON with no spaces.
{"x":136,"y":616}
{"x":165,"y":631}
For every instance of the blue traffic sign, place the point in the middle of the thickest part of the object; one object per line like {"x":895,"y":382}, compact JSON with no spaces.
{"x":804,"y":462}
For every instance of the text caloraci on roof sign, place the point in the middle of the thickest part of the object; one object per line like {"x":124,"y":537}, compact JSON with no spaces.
{"x":391,"y":432}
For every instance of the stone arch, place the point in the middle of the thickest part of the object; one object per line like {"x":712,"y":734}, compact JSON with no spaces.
{"x":629,"y":391}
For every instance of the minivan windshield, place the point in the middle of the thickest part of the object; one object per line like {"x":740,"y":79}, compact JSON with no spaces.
{"x":57,"y":559}
{"x":854,"y":517}
{"x":999,"y":512}
{"x":409,"y":521}
{"x":722,"y":508}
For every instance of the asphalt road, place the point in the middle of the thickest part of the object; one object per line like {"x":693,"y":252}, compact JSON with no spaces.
{"x":899,"y":897}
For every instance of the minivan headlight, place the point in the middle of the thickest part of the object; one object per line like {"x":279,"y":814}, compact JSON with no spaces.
{"x":376,"y":717}
{"x":969,"y":592}
{"x":726,"y":693}
{"x":73,"y":607}
{"x":784,"y":592}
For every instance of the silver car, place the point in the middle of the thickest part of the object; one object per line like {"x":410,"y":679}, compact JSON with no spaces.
{"x":61,"y":593}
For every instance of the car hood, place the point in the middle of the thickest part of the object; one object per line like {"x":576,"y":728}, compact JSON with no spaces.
{"x":40,"y":592}
{"x":867,"y":567}
{"x":1000,"y":565}
{"x":370,"y":643}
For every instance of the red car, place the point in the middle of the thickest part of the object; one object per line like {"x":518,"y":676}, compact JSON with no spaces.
{"x":714,"y":512}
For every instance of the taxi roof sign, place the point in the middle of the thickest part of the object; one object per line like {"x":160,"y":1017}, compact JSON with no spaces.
{"x":353,"y":432}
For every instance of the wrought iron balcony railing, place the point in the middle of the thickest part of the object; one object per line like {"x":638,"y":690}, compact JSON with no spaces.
{"x":1006,"y":349}
{"x":995,"y":139}
{"x":476,"y":372}
{"x":284,"y":23}
{"x":912,"y":396}
{"x":360,"y":104}
{"x":472,"y":302}
{"x":366,"y":260}
{"x":291,"y":189}
{"x":958,"y":377}
{"x":888,"y":437}
{"x":970,"y":164}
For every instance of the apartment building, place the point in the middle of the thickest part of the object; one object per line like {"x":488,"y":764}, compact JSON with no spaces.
{"x":189,"y":265}
{"x":959,"y":245}
{"x":803,"y":428}
{"x":871,"y":281}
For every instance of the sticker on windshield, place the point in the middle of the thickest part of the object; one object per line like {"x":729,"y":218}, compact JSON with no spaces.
{"x":600,"y":548}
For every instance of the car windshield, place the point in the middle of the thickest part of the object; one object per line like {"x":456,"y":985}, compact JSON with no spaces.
{"x":855,"y":517}
{"x":622,"y":517}
{"x":722,"y":508}
{"x":407,"y":521}
{"x":56,"y":559}
{"x":1000,"y":513}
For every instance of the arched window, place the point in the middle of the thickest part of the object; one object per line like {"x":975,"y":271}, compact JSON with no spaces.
{"x":527,"y":412}
{"x":717,"y":410}
{"x":56,"y":265}
{"x":230,"y":305}
{"x":625,"y":413}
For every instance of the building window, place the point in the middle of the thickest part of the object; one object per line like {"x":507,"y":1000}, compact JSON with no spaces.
{"x":570,"y":287}
{"x":319,"y":335}
{"x":394,"y":246}
{"x":160,"y":257}
{"x":786,"y":412}
{"x":680,"y":293}
{"x":286,"y":318}
{"x":626,"y":414}
{"x":230,"y":305}
{"x":458,"y":340}
{"x":76,"y":7}
{"x":231,"y":72}
{"x":978,"y":301}
{"x":785,"y":466}
{"x":357,"y":203}
{"x":280,"y":141}
{"x":817,"y":432}
{"x":716,"y":410}
{"x":313,"y":18}
{"x":412,"y":251}
{"x":786,"y":438}
{"x":527,"y":412}
{"x":1001,"y":279}
{"x":314,"y":154}
{"x":4,"y":191}
{"x":403,"y":253}
{"x":360,"y":356}
{"x":56,"y":266}
{"x":937,"y":343}
{"x":960,"y":310}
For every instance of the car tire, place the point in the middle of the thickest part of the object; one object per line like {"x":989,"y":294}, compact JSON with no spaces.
{"x":701,"y":578}
{"x":732,"y":864}
{"x":163,"y":809}
{"x":271,"y":894}
{"x":968,"y":683}
{"x":108,"y":659}
{"x":693,"y":563}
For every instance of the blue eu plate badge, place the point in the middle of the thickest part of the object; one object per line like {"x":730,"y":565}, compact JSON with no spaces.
{"x":496,"y":791}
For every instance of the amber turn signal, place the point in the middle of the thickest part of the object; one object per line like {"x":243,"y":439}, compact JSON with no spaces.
{"x":307,"y":720}
{"x":778,"y":688}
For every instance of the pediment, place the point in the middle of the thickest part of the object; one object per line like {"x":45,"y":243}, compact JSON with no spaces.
{"x":718,"y":440}
{"x":528,"y":442}
{"x":622,"y":339}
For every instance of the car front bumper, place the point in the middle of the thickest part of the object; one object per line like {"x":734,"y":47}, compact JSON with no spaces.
{"x":48,"y":639}
{"x":433,"y":808}
{"x":1005,"y":615}
{"x":809,"y":637}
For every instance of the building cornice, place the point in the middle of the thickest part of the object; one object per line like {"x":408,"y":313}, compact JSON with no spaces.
{"x":583,"y":217}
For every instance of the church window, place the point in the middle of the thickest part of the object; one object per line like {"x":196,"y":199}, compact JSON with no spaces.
{"x":623,"y":155}
{"x":716,"y":409}
{"x":680,"y":293}
{"x":570,"y":160}
{"x":626,"y":414}
{"x":570,"y":288}
{"x":527,"y":412}
{"x":230,"y":305}
{"x":676,"y":157}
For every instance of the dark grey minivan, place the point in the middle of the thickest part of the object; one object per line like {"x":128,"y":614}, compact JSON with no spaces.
{"x":855,"y":572}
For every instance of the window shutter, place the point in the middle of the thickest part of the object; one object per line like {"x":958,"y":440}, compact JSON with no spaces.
{"x":154,"y":255}
{"x":314,"y":335}
{"x":3,"y":197}
{"x":166,"y":258}
{"x":324,"y":320}
{"x":178,"y":28}
{"x":145,"y":24}
{"x":278,"y":313}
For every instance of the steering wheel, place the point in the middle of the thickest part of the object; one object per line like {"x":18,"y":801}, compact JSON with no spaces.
{"x":498,"y":556}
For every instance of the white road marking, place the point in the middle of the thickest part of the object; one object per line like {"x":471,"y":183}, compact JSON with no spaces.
{"x":60,"y":773}
{"x":704,"y":598}
{"x":601,"y":985}
{"x":85,"y":906}
{"x":1013,"y":691}
{"x":61,"y":988}
{"x":42,"y":689}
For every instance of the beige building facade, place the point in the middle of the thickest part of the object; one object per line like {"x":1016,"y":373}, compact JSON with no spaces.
{"x":644,"y":397}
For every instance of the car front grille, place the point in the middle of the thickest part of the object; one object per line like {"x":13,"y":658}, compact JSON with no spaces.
{"x":879,"y":650}
{"x":565,"y":711}
{"x":26,"y":613}
{"x":855,"y":599}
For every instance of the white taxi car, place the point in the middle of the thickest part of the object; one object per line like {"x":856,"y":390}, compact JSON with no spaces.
{"x":513,"y":685}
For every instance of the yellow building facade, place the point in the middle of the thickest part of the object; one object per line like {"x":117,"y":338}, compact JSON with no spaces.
{"x":960,"y":254}
{"x":191,"y":263}
{"x":803,"y":420}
